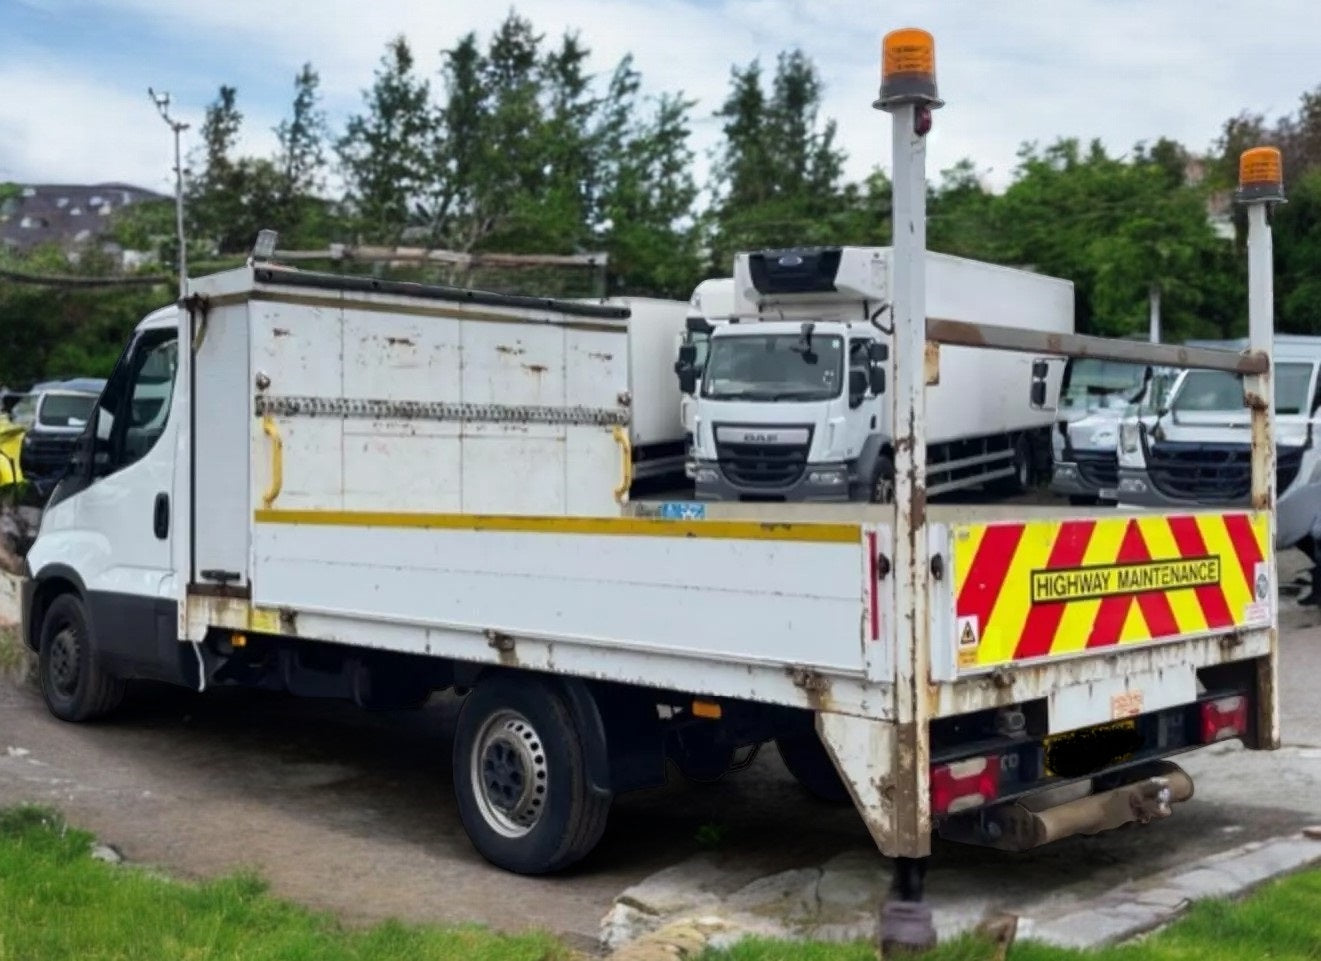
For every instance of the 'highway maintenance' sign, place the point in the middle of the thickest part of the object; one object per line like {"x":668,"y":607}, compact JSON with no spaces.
{"x":1039,"y":589}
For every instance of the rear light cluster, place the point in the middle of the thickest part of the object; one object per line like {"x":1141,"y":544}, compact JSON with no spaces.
{"x":1224,"y":718}
{"x":964,"y":785}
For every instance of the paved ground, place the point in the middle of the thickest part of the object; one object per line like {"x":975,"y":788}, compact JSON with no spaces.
{"x":353,"y":812}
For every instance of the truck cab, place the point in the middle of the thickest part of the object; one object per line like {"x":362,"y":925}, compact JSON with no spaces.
{"x":1195,"y":449}
{"x":1095,"y":396}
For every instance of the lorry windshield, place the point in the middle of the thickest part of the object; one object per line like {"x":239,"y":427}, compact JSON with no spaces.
{"x":1091,"y":384}
{"x":1218,"y":390}
{"x":774,"y":367}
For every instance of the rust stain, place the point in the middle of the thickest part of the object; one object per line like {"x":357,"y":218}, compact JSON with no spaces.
{"x":400,"y":342}
{"x":511,"y":351}
{"x":279,"y":332}
{"x":536,"y":368}
{"x":597,"y":355}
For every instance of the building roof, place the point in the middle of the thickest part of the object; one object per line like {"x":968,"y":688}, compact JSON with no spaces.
{"x":64,"y":214}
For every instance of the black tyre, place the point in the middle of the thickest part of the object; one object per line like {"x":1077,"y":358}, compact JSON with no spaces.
{"x":520,"y":779}
{"x":75,"y":686}
{"x":810,"y":764}
{"x":1021,"y":479}
{"x":881,"y":488}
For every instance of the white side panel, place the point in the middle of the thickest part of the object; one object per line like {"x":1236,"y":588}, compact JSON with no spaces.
{"x":224,"y":416}
{"x":984,"y":392}
{"x":653,"y":330}
{"x":763,"y":602}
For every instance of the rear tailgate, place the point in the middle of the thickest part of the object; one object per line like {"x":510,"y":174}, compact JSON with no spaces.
{"x":1039,"y":591}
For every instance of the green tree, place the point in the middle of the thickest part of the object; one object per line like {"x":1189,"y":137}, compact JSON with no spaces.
{"x":387,"y":152}
{"x":779,"y":171}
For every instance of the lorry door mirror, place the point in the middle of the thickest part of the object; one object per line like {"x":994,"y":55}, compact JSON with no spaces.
{"x":1040,"y":371}
{"x":858,"y":383}
{"x":876,"y":376}
{"x":877,"y":352}
{"x":687,"y":380}
{"x":688,"y":355}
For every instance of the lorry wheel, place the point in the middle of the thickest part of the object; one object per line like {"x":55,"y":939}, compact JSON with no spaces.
{"x":520,"y":779}
{"x":1021,"y":479}
{"x":74,"y":686}
{"x":882,"y":483}
{"x":807,"y":760}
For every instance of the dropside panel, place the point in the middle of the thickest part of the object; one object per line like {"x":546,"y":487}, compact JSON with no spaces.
{"x":735,"y":593}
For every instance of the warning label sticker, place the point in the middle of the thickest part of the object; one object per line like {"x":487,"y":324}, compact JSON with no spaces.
{"x":1109,"y":580}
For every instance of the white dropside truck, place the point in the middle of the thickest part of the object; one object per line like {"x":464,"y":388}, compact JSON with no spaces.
{"x":361,"y":490}
{"x":790,"y":403}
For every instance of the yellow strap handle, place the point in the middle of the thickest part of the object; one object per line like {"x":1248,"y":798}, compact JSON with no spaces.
{"x":626,"y":467}
{"x":277,"y":461}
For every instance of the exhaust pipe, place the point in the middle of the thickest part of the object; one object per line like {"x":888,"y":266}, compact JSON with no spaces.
{"x":1028,"y":823}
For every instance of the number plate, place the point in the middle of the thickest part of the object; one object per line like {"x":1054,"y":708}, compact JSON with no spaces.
{"x":1079,"y":753}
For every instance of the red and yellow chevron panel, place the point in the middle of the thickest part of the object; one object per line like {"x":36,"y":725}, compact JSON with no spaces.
{"x":1024,"y":591}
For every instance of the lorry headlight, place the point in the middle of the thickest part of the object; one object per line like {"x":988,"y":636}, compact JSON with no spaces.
{"x":828,"y":478}
{"x":1103,"y":437}
{"x":1129,"y":440}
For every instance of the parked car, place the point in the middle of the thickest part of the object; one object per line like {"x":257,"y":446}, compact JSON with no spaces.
{"x":59,"y":412}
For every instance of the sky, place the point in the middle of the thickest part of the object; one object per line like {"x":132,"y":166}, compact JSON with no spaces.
{"x":74,"y":73}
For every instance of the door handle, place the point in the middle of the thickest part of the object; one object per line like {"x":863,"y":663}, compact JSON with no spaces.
{"x":161,"y":520}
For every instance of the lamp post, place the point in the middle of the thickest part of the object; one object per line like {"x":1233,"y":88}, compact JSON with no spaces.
{"x":162,"y":102}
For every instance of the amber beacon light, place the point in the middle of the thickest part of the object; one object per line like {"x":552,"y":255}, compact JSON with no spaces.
{"x":1261,"y":175}
{"x":908,"y":69}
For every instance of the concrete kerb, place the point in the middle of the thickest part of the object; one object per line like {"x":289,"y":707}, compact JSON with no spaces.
{"x":840,"y":902}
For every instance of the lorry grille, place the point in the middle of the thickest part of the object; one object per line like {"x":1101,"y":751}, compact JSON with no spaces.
{"x":1098,"y":468}
{"x":763,"y":465}
{"x":1214,"y":472}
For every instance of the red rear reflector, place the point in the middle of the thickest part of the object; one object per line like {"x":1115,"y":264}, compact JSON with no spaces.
{"x":1224,"y":718}
{"x":964,"y":785}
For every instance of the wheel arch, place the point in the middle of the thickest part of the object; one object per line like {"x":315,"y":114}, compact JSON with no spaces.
{"x":50,"y":582}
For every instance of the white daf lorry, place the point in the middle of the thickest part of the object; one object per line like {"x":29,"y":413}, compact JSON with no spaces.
{"x":358,"y":490}
{"x":790,"y":403}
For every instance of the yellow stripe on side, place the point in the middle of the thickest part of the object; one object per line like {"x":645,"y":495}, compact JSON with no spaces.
{"x":1080,"y":616}
{"x":1183,"y":603}
{"x":1004,"y":627}
{"x":599,"y":526}
{"x":1232,"y":584}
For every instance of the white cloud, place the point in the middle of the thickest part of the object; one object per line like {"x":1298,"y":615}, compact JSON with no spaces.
{"x":1124,"y":70}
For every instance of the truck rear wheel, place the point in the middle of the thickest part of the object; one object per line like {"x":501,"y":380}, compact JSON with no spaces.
{"x":1021,"y":479}
{"x":74,"y":685}
{"x":520,"y":779}
{"x":807,"y":760}
{"x":881,"y":490}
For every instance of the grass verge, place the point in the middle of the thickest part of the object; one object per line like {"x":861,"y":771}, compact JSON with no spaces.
{"x":13,"y":655}
{"x":1282,"y":922}
{"x":57,"y":903}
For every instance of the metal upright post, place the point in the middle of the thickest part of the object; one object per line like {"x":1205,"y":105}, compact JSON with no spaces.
{"x":908,"y":93}
{"x":1261,"y":185}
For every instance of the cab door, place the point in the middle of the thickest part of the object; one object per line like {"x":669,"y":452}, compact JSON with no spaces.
{"x":125,"y":515}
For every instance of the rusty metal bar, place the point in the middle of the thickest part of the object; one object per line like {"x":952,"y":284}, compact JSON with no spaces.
{"x":963,"y":334}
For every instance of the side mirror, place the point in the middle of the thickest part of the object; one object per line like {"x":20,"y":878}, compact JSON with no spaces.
{"x":687,"y":380}
{"x":858,"y":384}
{"x":876,"y":379}
{"x":688,"y":355}
{"x":1037,"y":395}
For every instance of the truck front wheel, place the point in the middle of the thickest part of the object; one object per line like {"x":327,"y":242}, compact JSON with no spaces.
{"x":520,"y":779}
{"x":74,"y":685}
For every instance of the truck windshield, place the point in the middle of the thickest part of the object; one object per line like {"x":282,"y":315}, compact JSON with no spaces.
{"x":774,"y":367}
{"x":1217,"y":390}
{"x":1091,"y":384}
{"x":65,"y":410}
